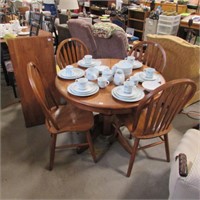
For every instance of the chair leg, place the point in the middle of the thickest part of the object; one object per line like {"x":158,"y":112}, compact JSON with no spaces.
{"x":132,"y":158}
{"x":167,"y":147}
{"x":12,"y":82}
{"x":52,"y":151}
{"x":91,"y":146}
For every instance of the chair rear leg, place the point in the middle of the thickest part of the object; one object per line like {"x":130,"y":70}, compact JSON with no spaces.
{"x":132,"y":158}
{"x":52,"y":150}
{"x":91,"y":146}
{"x":167,"y":147}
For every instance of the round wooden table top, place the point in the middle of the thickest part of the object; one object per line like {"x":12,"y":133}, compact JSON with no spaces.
{"x":102,"y":102}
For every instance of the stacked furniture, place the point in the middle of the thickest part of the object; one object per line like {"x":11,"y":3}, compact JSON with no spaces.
{"x":168,"y":24}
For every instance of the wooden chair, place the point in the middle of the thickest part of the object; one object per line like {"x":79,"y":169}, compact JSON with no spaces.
{"x":36,"y":17}
{"x":34,"y":29}
{"x":70,"y":51}
{"x":153,"y":116}
{"x":50,"y":26}
{"x":59,"y":118}
{"x":151,"y":54}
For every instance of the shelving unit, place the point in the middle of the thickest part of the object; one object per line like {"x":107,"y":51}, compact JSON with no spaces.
{"x":136,"y":20}
{"x":168,"y":25}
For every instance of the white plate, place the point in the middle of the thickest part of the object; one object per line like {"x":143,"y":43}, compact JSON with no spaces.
{"x":94,"y":63}
{"x":150,"y":85}
{"x":77,"y":73}
{"x":119,"y":90}
{"x":24,"y":33}
{"x":105,"y":20}
{"x":105,"y":15}
{"x":84,"y":94}
{"x":24,"y":27}
{"x":92,"y":89}
{"x":137,"y":64}
{"x":101,"y":68}
{"x":140,"y":96}
{"x":143,"y":76}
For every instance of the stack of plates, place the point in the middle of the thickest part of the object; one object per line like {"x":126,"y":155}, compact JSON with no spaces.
{"x":94,"y":62}
{"x":142,"y":77}
{"x":24,"y":33}
{"x":91,"y":89}
{"x":76,"y":73}
{"x":118,"y":93}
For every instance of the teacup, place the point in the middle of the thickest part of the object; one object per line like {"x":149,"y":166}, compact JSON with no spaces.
{"x":130,"y":59}
{"x":134,"y":79}
{"x":92,"y":73}
{"x":102,"y":82}
{"x":149,"y":72}
{"x":82,"y":83}
{"x":69,"y":70}
{"x":128,"y":87}
{"x":87,"y":59}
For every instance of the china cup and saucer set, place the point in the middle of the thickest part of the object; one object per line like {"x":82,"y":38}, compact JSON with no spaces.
{"x":88,"y":82}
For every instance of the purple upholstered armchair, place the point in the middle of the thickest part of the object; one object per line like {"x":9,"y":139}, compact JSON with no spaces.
{"x":104,"y":40}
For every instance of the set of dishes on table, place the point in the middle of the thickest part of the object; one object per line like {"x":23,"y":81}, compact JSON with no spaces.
{"x":87,"y":82}
{"x":13,"y":28}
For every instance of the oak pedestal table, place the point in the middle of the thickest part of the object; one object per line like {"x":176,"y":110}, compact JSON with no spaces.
{"x":102,"y":102}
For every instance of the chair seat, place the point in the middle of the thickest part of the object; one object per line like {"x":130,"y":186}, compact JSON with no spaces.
{"x":78,"y":119}
{"x":127,"y":120}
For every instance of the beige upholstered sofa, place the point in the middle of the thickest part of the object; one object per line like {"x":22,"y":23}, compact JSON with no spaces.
{"x":113,"y":46}
{"x":183,"y":60}
{"x":186,"y":187}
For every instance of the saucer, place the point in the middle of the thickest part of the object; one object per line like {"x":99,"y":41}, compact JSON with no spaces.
{"x":143,"y":76}
{"x":137,"y":64}
{"x":23,"y":33}
{"x":140,"y":95}
{"x":90,"y":90}
{"x":120,"y":92}
{"x":94,"y":62}
{"x":77,"y":73}
{"x":150,"y":85}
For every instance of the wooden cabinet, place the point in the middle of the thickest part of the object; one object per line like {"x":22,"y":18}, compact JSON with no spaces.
{"x":136,"y":20}
{"x":170,"y":7}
